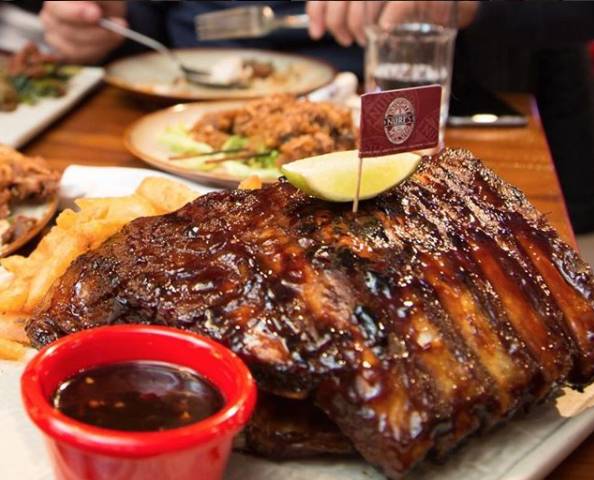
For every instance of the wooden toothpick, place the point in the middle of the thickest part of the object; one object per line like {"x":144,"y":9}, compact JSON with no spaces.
{"x":358,"y":190}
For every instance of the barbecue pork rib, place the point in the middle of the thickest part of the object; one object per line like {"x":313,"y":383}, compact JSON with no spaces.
{"x":285,"y":428}
{"x":441,"y":308}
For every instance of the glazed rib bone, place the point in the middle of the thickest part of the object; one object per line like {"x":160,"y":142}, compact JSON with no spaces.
{"x":443,"y":306}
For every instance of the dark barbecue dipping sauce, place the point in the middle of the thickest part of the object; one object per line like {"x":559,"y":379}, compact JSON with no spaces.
{"x":138,"y":397}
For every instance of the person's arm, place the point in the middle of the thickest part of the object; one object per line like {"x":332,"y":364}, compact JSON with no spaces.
{"x":535,"y":23}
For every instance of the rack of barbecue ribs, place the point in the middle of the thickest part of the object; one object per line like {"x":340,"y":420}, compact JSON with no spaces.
{"x":440,"y":309}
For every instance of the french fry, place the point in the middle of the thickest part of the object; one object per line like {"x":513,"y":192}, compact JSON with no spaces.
{"x":55,"y":266}
{"x":133,"y":207}
{"x":95,"y":208}
{"x":117,"y":207}
{"x":12,"y":327}
{"x":95,"y":232}
{"x":253,"y":182}
{"x":164,"y":194}
{"x":67,"y":219}
{"x":13,"y":264}
{"x":10,"y":350}
{"x":14,"y":296}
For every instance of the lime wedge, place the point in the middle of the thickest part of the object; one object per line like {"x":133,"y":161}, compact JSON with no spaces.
{"x":333,"y":177}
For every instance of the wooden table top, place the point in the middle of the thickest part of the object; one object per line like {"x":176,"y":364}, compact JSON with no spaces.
{"x":92,"y":135}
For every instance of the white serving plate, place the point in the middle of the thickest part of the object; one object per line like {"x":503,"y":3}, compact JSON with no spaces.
{"x":42,"y":212}
{"x":153,"y":74}
{"x":142,"y":139}
{"x":20,"y":126}
{"x":527,"y":448}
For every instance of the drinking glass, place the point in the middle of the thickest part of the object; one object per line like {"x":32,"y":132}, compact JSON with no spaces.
{"x":411,"y":53}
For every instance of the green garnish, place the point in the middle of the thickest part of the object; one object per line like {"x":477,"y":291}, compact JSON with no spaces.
{"x":178,"y":138}
{"x":53,"y":84}
{"x":235,"y":142}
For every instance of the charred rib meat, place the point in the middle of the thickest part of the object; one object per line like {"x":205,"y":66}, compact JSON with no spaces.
{"x":284,"y":428}
{"x":442,"y":307}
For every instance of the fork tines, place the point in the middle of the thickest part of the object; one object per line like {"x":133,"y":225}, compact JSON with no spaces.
{"x":238,"y":22}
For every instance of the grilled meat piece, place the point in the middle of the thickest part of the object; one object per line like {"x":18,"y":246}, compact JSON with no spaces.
{"x":24,"y":178}
{"x":283,"y":428}
{"x":18,"y":226}
{"x":442,"y":307}
{"x":30,"y":62}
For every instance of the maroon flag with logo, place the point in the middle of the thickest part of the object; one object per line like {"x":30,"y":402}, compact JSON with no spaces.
{"x":399,"y":120}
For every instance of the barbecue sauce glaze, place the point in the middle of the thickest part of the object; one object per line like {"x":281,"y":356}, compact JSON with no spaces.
{"x":138,"y":396}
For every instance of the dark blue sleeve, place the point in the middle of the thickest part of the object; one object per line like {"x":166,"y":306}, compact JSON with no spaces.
{"x":149,"y":18}
{"x":173,"y":24}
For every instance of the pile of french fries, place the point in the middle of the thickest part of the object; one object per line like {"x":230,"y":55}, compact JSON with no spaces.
{"x":24,"y":281}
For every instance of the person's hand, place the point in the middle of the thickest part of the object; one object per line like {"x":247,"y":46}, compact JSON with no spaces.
{"x":346,"y":20}
{"x":457,"y":14}
{"x":71,"y":29}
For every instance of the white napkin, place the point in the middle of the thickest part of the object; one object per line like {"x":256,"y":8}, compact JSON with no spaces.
{"x":340,"y":89}
{"x":81,"y":181}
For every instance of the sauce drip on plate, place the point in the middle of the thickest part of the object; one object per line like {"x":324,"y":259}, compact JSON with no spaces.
{"x":138,"y":396}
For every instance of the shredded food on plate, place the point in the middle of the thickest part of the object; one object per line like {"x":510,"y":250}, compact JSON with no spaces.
{"x":261,"y":136}
{"x":22,"y":179}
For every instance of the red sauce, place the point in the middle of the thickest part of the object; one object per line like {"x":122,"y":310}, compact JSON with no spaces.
{"x":138,"y":396}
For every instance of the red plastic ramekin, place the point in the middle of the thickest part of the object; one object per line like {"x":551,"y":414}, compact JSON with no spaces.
{"x":194,"y":452}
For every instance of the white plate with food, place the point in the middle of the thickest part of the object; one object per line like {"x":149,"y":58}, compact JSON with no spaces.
{"x":28,"y":198}
{"x":35,"y":90}
{"x":27,"y":219}
{"x":223,"y":143}
{"x":525,"y":448}
{"x":261,"y":73}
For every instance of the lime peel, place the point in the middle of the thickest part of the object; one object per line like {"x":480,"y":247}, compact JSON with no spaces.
{"x":333,"y":177}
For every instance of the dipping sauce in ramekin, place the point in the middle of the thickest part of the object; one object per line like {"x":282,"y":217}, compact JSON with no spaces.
{"x":138,"y":396}
{"x":193,"y":445}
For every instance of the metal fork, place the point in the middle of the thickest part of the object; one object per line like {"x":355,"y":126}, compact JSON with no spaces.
{"x":244,"y":22}
{"x":199,"y":77}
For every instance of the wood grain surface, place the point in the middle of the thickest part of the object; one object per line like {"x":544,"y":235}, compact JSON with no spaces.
{"x":92,"y":135}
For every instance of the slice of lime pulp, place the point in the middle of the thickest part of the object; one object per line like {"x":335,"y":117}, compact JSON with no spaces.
{"x":333,"y":176}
